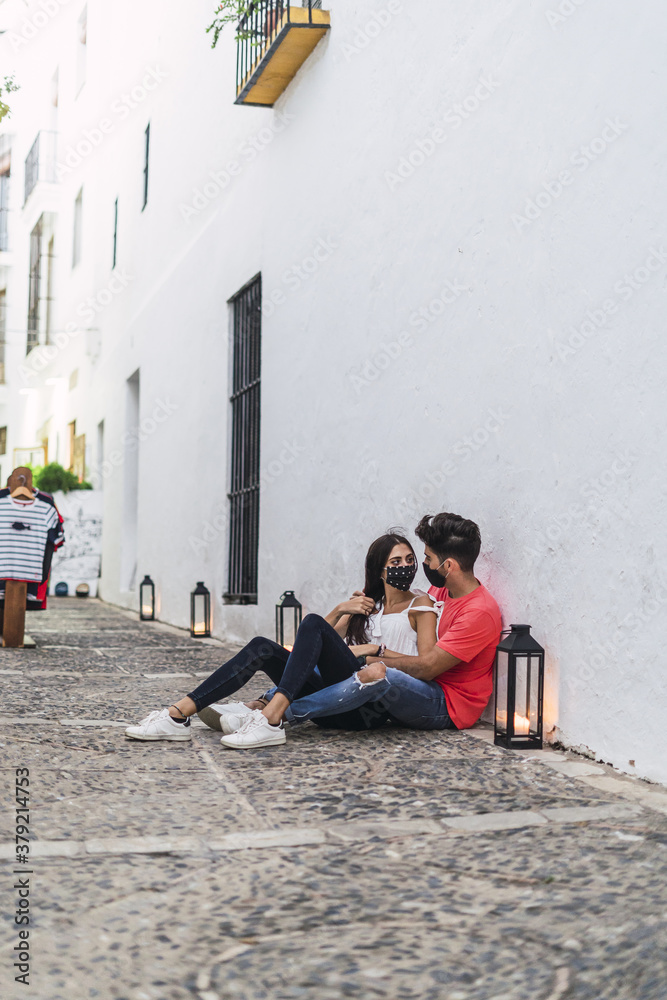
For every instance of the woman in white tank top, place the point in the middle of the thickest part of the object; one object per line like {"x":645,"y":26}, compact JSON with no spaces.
{"x":398,"y":623}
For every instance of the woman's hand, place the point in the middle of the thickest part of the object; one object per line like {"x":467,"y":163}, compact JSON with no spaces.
{"x":357,"y":605}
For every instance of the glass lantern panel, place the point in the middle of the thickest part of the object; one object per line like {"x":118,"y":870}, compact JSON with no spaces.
{"x":501,"y":692}
{"x":534,"y":673}
{"x":522,"y":696}
{"x":146,"y":601}
{"x":289,"y":627}
{"x":200,"y":614}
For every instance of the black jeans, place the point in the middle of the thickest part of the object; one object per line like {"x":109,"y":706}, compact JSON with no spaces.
{"x":317,"y":644}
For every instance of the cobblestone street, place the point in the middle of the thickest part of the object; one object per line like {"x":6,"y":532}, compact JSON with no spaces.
{"x":395,"y":864}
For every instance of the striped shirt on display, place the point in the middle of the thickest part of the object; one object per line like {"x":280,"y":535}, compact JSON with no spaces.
{"x":25,"y":528}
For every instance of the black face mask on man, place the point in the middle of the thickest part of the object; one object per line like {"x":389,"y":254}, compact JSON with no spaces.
{"x":434,"y":578}
{"x":401,"y":577}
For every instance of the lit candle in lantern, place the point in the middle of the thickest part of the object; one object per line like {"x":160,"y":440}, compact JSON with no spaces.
{"x":521,"y":725}
{"x":147,"y":600}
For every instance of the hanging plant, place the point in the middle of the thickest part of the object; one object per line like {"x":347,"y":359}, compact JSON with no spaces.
{"x":7,"y":87}
{"x":231,"y":12}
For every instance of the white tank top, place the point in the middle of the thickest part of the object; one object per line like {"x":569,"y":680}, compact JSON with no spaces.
{"x":395,"y":630}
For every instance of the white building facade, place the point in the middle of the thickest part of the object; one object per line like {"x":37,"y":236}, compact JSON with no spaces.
{"x":430,"y":277}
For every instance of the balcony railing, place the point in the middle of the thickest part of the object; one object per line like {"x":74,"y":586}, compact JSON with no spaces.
{"x":4,"y":234}
{"x":4,"y":211}
{"x":40,"y":163}
{"x":274,"y":40}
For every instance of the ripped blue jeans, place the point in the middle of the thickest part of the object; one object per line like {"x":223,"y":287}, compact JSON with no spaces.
{"x":412,"y":702}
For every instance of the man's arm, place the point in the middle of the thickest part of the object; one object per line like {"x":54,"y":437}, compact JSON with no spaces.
{"x":437,"y":661}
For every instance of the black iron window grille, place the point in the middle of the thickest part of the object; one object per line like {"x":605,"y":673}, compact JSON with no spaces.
{"x":245,"y":414}
{"x":3,"y":329}
{"x":40,"y":163}
{"x":256,"y":29}
{"x":39,"y":288}
{"x":4,"y":211}
{"x":5,"y":170}
{"x":115,"y":234}
{"x":147,"y":135}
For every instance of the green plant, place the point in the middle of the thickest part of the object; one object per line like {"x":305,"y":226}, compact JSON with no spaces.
{"x":53,"y":477}
{"x":230,"y":12}
{"x":8,"y":86}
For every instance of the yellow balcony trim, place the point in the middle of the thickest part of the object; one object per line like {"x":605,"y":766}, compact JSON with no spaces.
{"x":283,"y":53}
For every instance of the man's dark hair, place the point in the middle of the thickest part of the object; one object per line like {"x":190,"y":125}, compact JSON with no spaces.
{"x":451,"y":537}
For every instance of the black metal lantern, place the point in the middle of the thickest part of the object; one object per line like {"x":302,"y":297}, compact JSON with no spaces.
{"x":287,"y":625}
{"x":200,"y":612}
{"x":519,"y":687}
{"x":147,"y":600}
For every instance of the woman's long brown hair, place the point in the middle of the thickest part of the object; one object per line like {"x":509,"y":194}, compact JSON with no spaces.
{"x":376,"y":559}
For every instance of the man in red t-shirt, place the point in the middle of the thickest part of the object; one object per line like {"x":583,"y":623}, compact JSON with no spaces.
{"x":449,"y":686}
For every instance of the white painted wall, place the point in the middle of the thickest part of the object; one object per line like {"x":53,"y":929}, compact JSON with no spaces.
{"x":483,"y":334}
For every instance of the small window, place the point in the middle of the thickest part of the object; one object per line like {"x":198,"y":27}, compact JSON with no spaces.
{"x":146,"y":149}
{"x":71,"y":427}
{"x":78,"y":228}
{"x":79,"y":460}
{"x":5,"y":170}
{"x":115,"y":233}
{"x":3,"y":329}
{"x":3,"y":440}
{"x":81,"y":49}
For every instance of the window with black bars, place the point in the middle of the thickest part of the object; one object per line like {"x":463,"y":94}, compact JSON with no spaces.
{"x":3,"y":329}
{"x":40,"y":286}
{"x":245,"y":414}
{"x":34,"y":287}
{"x":147,"y":146}
{"x":115,"y":234}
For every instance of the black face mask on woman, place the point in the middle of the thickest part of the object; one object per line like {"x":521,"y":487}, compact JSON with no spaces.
{"x":432,"y":575}
{"x":401,"y":577}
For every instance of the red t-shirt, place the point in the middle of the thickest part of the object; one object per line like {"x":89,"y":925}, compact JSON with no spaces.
{"x":469,"y":629}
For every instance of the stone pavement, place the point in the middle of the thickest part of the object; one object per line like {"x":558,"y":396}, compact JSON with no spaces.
{"x":393,"y":864}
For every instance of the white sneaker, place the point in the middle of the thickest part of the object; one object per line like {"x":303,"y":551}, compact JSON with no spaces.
{"x":212,"y":715}
{"x":159,"y":725}
{"x":255,"y":731}
{"x":235,"y":707}
{"x":230,"y":723}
